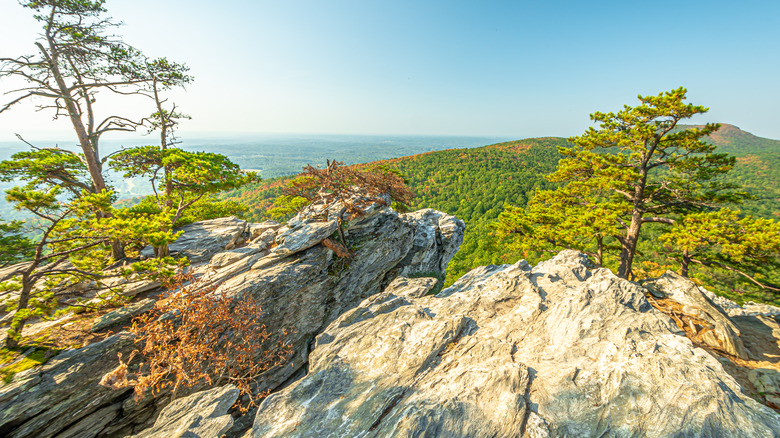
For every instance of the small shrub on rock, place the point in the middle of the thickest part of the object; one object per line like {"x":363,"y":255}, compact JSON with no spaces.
{"x":194,"y":336}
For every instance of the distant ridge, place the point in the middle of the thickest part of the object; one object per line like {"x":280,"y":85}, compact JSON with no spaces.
{"x":735,"y":141}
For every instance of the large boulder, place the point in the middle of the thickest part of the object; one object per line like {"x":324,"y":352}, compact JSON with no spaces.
{"x":201,"y":240}
{"x":721,"y":332}
{"x":561,"y":349}
{"x":63,"y":398}
{"x":200,"y":415}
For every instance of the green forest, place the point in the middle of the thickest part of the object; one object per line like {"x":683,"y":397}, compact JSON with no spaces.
{"x":475,"y":184}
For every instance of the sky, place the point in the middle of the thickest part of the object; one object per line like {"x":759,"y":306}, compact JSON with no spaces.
{"x":493,"y":68}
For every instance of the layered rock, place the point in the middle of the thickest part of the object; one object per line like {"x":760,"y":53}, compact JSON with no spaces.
{"x":557,"y":350}
{"x":301,"y":289}
{"x":200,"y":415}
{"x":201,"y":240}
{"x":62,"y":397}
{"x":720,"y":332}
{"x":304,"y":291}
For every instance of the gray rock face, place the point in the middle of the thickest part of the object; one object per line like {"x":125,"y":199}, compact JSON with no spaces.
{"x":256,"y":230}
{"x":200,"y":415}
{"x":556,"y":350}
{"x":411,"y":287}
{"x":225,"y":258}
{"x":203,"y":239}
{"x":724,"y":334}
{"x":437,"y":240}
{"x":123,"y":315}
{"x":304,"y":291}
{"x":63,"y":396}
{"x":303,"y":236}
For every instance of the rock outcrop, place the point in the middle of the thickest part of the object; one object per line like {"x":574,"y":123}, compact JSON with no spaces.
{"x":303,"y":292}
{"x":301,"y":288}
{"x":200,"y":415}
{"x":201,"y":240}
{"x":123,"y":314}
{"x":720,"y":333}
{"x":560,"y":349}
{"x":62,"y":397}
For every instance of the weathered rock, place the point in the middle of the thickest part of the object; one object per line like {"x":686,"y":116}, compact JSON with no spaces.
{"x":256,"y":230}
{"x":305,"y":291}
{"x":767,"y":382}
{"x":225,"y":258}
{"x":267,"y":238}
{"x":303,"y":237}
{"x":724,"y":335}
{"x":436,"y":241}
{"x":411,"y":287}
{"x":64,"y":393}
{"x":756,"y":309}
{"x":556,"y":350}
{"x":200,"y":415}
{"x":123,"y":315}
{"x":733,"y":309}
{"x":203,"y":239}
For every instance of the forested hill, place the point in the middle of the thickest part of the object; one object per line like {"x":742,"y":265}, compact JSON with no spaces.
{"x":475,"y":183}
{"x":732,"y":140}
{"x":472,"y":183}
{"x":757,"y":169}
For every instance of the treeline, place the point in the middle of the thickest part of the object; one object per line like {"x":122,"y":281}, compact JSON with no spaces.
{"x":475,"y":184}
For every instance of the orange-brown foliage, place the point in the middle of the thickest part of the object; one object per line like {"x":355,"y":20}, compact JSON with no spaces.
{"x":195,"y":336}
{"x":352,"y":187}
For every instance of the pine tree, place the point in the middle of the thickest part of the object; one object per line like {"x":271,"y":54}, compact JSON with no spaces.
{"x":643,"y":164}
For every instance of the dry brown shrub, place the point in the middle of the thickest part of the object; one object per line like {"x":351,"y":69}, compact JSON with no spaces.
{"x":196,"y":337}
{"x":344,"y":192}
{"x":352,"y":188}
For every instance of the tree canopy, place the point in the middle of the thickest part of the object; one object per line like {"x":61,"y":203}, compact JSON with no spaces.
{"x":638,"y":168}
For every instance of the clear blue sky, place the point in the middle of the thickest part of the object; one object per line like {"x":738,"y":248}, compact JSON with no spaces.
{"x":492,"y":68}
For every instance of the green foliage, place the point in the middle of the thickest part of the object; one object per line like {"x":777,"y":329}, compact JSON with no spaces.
{"x":190,"y":175}
{"x":190,"y":172}
{"x":15,"y":246}
{"x":472,"y":184}
{"x":15,"y":360}
{"x":190,"y":179}
{"x":564,"y":218}
{"x":51,"y":167}
{"x":646,"y":169}
{"x":475,"y":184}
{"x":285,"y":206}
{"x":726,"y":240}
{"x":73,"y":247}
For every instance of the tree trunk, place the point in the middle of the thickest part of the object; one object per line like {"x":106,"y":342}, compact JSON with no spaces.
{"x":161,"y":251}
{"x":14,"y":334}
{"x":117,"y":250}
{"x":628,"y":245}
{"x":686,"y":261}
{"x":164,"y":143}
{"x":74,"y":113}
{"x":600,"y":251}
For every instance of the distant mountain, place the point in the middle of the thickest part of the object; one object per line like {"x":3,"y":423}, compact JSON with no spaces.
{"x":732,"y":140}
{"x":757,"y":169}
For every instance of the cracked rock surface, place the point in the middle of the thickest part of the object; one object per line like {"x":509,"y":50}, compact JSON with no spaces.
{"x":301,"y":289}
{"x":559,"y":349}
